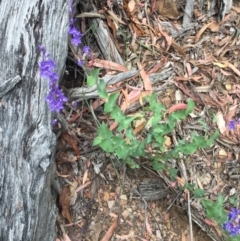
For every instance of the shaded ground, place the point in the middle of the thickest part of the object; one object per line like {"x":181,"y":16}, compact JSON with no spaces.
{"x":102,"y":199}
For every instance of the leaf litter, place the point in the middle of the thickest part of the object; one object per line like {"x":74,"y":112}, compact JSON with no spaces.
{"x":203,"y":62}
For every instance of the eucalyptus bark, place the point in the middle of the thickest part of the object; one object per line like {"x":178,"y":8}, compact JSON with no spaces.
{"x":27,"y":202}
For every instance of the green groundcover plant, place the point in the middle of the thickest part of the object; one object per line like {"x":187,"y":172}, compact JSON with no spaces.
{"x":127,"y":146}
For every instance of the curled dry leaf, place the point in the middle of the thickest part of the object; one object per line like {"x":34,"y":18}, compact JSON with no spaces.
{"x":221,"y":123}
{"x":201,"y":31}
{"x":65,"y":199}
{"x":100,"y":63}
{"x":72,"y":141}
{"x":146,"y":81}
{"x":180,"y":106}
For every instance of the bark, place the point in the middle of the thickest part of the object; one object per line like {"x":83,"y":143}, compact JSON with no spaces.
{"x":27,"y":202}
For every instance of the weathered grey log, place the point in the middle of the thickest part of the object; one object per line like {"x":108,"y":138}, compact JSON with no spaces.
{"x":27,"y":203}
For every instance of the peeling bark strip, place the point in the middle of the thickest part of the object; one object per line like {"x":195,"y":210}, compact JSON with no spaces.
{"x":27,"y":204}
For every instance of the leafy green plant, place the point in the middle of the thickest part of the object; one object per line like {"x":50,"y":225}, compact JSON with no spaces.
{"x":127,"y":146}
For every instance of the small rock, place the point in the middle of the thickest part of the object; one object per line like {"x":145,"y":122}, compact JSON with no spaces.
{"x":123,"y":197}
{"x":110,"y":203}
{"x":125,"y":214}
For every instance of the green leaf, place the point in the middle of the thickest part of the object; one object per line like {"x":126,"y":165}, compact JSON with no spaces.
{"x":111,"y":103}
{"x":190,"y":106}
{"x":215,"y":210}
{"x":137,"y":148}
{"x":158,"y":166}
{"x":234,"y":201}
{"x":212,"y":138}
{"x":91,"y":81}
{"x":103,"y":138}
{"x":93,"y":77}
{"x":97,"y":140}
{"x":101,"y":88}
{"x":117,"y":114}
{"x":107,"y":146}
{"x":132,"y":163}
{"x":126,"y":123}
{"x":178,"y":115}
{"x":129,"y":134}
{"x":154,"y":105}
{"x":173,"y":173}
{"x":160,"y":139}
{"x":122,"y":150}
{"x":198,"y":193}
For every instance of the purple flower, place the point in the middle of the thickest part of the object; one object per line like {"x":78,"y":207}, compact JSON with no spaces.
{"x":231,"y":125}
{"x":55,"y":97}
{"x":54,"y":122}
{"x":80,"y":63}
{"x":86,"y":50}
{"x":232,"y":225}
{"x":76,"y":35}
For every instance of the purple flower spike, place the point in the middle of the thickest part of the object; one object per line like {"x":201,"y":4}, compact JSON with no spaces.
{"x":55,"y":97}
{"x":76,"y":35}
{"x":232,"y":225}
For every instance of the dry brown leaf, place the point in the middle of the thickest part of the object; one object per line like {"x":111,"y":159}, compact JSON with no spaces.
{"x":85,"y":176}
{"x":159,"y":65}
{"x":221,"y":123}
{"x":110,"y":231}
{"x":231,"y":113}
{"x":183,"y":236}
{"x":131,"y":5}
{"x":168,"y":9}
{"x":168,"y":38}
{"x":64,"y":200}
{"x":60,"y":175}
{"x":100,"y":63}
{"x":214,"y":27}
{"x":113,"y":126}
{"x":115,"y":17}
{"x":146,"y":81}
{"x":97,"y":103}
{"x":106,"y":196}
{"x":179,"y":49}
{"x":66,"y":238}
{"x":83,"y":186}
{"x":179,"y":106}
{"x":72,"y":141}
{"x":234,"y":69}
{"x":201,"y":31}
{"x":139,"y":127}
{"x":236,"y":9}
{"x":167,"y":142}
{"x":149,"y":230}
{"x":112,"y":25}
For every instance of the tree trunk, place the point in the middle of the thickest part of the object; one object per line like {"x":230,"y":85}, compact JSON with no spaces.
{"x":27,"y":144}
